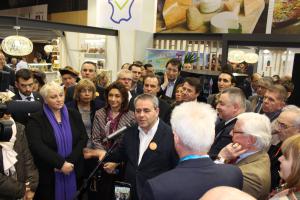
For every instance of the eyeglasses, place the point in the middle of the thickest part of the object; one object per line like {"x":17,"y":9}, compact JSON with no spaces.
{"x":282,"y":125}
{"x":237,"y":132}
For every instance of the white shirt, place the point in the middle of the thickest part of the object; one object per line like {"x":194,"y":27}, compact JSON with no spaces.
{"x":129,"y":96}
{"x":145,"y":139}
{"x":24,"y":97}
{"x":170,"y":88}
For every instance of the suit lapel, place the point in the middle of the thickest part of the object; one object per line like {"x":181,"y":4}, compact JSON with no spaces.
{"x":135,"y":146}
{"x":149,"y":153}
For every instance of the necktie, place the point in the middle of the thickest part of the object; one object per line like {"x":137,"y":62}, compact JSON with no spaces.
{"x":220,"y":126}
{"x":28,"y":98}
{"x":258,"y":105}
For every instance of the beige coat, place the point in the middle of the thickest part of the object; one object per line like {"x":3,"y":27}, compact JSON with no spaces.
{"x":256,"y":174}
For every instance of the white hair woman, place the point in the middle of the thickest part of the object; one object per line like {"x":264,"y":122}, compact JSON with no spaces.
{"x":56,"y":138}
{"x":19,"y":176}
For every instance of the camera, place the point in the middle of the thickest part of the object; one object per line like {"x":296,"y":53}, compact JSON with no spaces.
{"x":5,"y":125}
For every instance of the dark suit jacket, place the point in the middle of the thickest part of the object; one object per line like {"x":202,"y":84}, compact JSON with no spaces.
{"x":12,"y":76}
{"x":70,"y":93}
{"x":36,"y":96}
{"x":24,"y":117}
{"x":179,"y":80}
{"x":274,"y":153}
{"x":222,"y":139}
{"x":191,"y":179}
{"x":43,"y":147}
{"x":153,"y":163}
{"x":95,"y":105}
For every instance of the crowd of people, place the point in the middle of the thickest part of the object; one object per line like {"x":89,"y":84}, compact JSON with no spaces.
{"x":238,"y":144}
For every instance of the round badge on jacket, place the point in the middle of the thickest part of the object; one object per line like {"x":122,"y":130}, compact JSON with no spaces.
{"x":153,"y":146}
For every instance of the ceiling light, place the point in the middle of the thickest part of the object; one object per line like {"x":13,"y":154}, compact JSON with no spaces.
{"x":16,"y":45}
{"x":251,"y":58}
{"x":48,"y":48}
{"x":236,"y":56}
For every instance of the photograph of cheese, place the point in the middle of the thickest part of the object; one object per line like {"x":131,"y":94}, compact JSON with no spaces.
{"x":212,"y":16}
{"x":286,"y":17}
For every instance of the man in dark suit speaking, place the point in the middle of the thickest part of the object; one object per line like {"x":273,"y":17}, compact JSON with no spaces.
{"x":193,"y":127}
{"x":147,"y":148}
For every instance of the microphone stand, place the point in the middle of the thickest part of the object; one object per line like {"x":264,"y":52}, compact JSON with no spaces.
{"x":86,"y":181}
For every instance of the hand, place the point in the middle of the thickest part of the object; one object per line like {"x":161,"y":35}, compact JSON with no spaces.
{"x":232,"y":151}
{"x":110,"y":167}
{"x":93,"y":153}
{"x":67,"y":168}
{"x":28,"y":194}
{"x":166,"y":80}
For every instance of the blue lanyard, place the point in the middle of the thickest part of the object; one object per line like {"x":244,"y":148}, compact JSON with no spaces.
{"x":191,"y":157}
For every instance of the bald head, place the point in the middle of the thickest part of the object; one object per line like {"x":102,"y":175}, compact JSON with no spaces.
{"x":227,"y":193}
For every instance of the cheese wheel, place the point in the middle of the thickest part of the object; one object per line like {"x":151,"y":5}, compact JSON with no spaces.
{"x":221,"y":22}
{"x":209,"y":6}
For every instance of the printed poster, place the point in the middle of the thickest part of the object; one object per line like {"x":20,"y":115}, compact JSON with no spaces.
{"x":286,"y":17}
{"x":212,"y":16}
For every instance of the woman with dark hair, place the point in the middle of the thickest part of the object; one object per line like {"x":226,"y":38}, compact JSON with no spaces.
{"x":113,"y":117}
{"x":178,"y":96}
{"x":56,"y":137}
{"x":39,"y":80}
{"x":107,"y":120}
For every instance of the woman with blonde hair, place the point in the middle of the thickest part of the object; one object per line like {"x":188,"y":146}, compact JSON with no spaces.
{"x":56,"y":137}
{"x":290,"y":169}
{"x":85,"y":101}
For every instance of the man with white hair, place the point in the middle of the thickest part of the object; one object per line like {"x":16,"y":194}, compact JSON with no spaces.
{"x":251,"y":138}
{"x":196,"y":172}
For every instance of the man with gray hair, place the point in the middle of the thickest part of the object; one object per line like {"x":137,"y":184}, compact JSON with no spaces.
{"x":147,"y":148}
{"x":125,"y":77}
{"x":262,"y":84}
{"x":196,"y":172}
{"x":286,"y":125}
{"x":251,"y":138}
{"x":274,"y":100}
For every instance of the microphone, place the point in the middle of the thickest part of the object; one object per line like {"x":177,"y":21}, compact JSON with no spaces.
{"x":118,"y":132}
